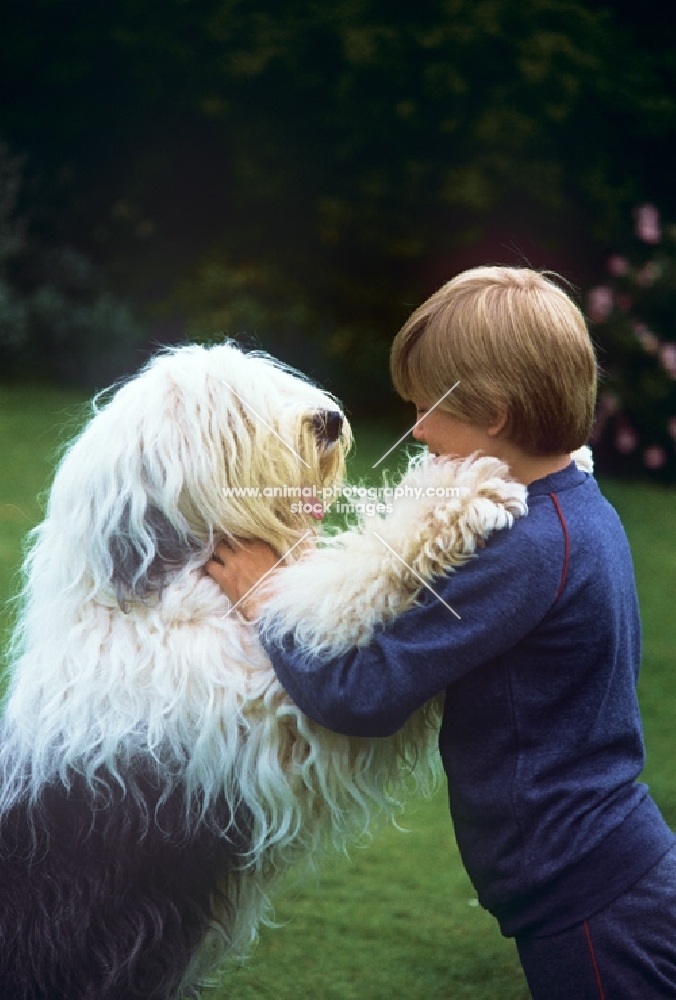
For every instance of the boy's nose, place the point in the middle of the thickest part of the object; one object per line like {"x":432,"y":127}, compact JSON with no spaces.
{"x":418,"y":431}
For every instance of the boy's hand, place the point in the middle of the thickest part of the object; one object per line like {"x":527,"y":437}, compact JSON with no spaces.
{"x":238,"y":569}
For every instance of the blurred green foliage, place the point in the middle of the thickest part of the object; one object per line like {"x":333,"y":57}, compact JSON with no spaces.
{"x":55,"y":316}
{"x":307,"y":172}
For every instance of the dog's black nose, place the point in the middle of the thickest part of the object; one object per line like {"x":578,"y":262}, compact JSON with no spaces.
{"x":328,"y":424}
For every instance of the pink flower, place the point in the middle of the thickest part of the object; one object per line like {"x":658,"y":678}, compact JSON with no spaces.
{"x":648,"y":340}
{"x":599,"y":303}
{"x":624,"y":302}
{"x":618,"y":265}
{"x":625,"y":439}
{"x":668,"y":358}
{"x":654,"y":457}
{"x":608,"y":403}
{"x":671,"y":427}
{"x":647,"y":220}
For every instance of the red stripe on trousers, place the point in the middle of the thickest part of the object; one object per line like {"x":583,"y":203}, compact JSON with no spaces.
{"x":602,"y":995}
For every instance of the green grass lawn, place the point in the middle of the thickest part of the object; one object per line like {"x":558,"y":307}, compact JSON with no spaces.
{"x":399,"y":918}
{"x":35,"y":421}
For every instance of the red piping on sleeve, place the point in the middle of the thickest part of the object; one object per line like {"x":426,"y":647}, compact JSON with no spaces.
{"x":566,"y":540}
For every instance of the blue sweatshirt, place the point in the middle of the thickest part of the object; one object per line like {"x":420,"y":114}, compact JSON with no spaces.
{"x":541,"y":737}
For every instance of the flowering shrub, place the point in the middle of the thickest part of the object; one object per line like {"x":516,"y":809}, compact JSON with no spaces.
{"x":633,"y":322}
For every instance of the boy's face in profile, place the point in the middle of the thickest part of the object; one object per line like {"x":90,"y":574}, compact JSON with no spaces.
{"x":445,"y":434}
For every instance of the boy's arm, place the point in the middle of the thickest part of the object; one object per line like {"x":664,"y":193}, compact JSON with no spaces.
{"x":500,"y":596}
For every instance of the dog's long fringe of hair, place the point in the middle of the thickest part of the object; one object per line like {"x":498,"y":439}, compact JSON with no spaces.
{"x":155,"y":780}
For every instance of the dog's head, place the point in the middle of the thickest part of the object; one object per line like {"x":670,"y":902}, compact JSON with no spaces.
{"x":204,"y":443}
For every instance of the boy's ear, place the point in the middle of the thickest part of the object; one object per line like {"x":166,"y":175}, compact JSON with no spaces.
{"x":498,"y":424}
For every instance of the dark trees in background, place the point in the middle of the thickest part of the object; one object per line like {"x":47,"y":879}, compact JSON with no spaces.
{"x":306,"y":172}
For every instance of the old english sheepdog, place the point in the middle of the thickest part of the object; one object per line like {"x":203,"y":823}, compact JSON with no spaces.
{"x":155,"y":780}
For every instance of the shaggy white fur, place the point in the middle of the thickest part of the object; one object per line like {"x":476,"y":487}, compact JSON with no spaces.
{"x":138,"y":703}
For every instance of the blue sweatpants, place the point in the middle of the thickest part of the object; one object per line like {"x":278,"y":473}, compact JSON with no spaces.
{"x":627,"y":951}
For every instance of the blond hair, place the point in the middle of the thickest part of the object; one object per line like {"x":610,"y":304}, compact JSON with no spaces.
{"x":516,"y":343}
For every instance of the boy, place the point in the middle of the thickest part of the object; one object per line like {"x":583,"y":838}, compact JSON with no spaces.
{"x":541,"y":737}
